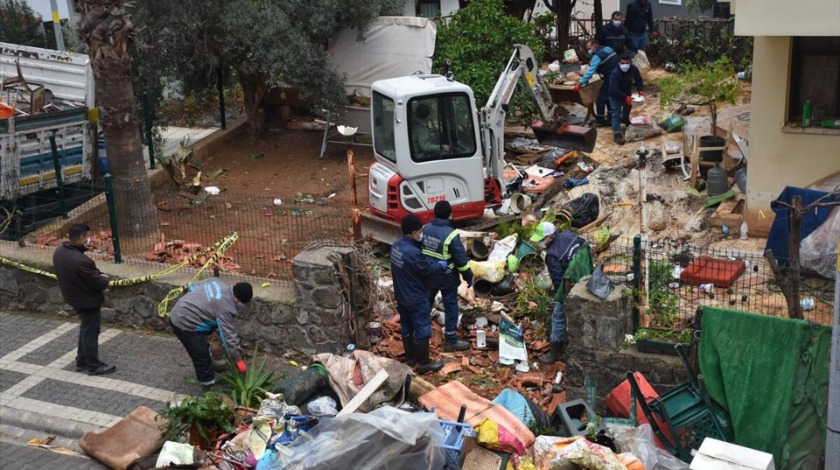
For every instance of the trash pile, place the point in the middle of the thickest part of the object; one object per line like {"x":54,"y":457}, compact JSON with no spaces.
{"x":361,"y":410}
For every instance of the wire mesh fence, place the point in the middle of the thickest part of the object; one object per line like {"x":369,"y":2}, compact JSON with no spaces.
{"x":183,"y":223}
{"x":670,"y":280}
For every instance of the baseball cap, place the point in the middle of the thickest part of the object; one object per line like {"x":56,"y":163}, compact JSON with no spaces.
{"x":544,"y":229}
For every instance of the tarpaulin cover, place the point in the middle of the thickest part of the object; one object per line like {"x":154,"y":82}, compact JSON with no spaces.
{"x":771,"y":375}
{"x":777,"y":240}
{"x":394,"y":46}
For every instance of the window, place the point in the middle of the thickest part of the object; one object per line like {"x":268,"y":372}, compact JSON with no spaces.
{"x":815,"y":76}
{"x":441,"y":127}
{"x":383,"y":126}
{"x":428,"y":8}
{"x":670,"y":2}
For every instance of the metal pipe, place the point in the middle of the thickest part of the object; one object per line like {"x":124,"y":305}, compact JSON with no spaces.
{"x":112,"y":216}
{"x":220,"y":79}
{"x":642,"y":152}
{"x":62,"y":197}
{"x":56,"y":18}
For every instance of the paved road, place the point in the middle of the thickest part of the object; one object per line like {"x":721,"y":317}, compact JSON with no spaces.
{"x":41,"y":393}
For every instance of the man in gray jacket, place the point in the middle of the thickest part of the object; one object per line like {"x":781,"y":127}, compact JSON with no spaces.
{"x":209,"y":305}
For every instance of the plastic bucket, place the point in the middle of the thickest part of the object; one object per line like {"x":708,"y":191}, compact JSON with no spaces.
{"x":525,"y":249}
{"x":711,"y":141}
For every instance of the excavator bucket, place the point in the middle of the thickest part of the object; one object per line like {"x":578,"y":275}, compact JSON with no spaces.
{"x":566,"y":135}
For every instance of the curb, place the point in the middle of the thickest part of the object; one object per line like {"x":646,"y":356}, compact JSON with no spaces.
{"x":38,"y":422}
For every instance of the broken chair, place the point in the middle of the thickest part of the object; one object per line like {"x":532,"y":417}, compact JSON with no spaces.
{"x":686,"y":411}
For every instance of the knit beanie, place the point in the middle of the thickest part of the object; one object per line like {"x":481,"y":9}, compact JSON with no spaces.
{"x":243,"y":292}
{"x":410,"y":224}
{"x":443,"y":210}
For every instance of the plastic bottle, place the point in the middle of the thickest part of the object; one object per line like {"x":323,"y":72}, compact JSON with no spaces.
{"x":807,"y":111}
{"x":745,"y":230}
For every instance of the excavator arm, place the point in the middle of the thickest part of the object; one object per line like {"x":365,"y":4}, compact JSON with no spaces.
{"x":522,"y":65}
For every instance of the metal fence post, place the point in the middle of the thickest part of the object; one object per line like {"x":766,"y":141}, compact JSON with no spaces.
{"x":148,"y":118}
{"x":637,"y":281}
{"x":220,"y":81}
{"x":112,"y":215}
{"x":62,"y":198}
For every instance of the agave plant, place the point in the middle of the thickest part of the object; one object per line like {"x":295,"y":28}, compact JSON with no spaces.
{"x":247,"y":389}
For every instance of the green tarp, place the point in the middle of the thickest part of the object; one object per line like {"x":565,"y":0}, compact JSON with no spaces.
{"x":771,"y":375}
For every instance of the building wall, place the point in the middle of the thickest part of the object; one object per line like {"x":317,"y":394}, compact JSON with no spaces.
{"x":776,"y":158}
{"x":447,"y":7}
{"x":661,"y":10}
{"x":786,"y":18}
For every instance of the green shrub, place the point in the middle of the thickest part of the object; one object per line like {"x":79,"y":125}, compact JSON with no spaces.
{"x":478,"y":42}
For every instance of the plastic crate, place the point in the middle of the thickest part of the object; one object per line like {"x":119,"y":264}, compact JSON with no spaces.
{"x":453,"y":440}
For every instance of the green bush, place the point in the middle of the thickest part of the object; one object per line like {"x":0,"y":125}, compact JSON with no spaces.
{"x":478,"y":41}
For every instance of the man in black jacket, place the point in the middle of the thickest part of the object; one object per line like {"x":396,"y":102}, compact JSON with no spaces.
{"x":83,"y":287}
{"x":616,"y":36}
{"x":638,"y":20}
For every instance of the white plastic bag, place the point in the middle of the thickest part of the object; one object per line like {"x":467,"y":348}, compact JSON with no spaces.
{"x":639,"y":442}
{"x":322,"y":406}
{"x":491,"y":271}
{"x":502,"y":248}
{"x":818,"y":250}
{"x":642,"y":63}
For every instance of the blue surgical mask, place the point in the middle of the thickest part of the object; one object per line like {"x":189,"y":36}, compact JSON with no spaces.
{"x":616,"y":22}
{"x":624,"y":67}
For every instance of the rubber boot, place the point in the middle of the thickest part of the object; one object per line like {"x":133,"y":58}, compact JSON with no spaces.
{"x":457,"y":345}
{"x":424,"y":364}
{"x":555,"y":354}
{"x":410,"y":355}
{"x":618,"y":138}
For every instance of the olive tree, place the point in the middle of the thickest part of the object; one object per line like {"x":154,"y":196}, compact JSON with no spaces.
{"x":267,"y":43}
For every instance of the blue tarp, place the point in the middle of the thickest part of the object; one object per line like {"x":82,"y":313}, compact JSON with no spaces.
{"x":779,"y":235}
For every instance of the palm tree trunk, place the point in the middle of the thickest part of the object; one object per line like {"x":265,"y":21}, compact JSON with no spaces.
{"x":107,"y":30}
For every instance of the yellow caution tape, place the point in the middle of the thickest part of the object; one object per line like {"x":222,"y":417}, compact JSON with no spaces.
{"x":223,"y":245}
{"x":219,"y":248}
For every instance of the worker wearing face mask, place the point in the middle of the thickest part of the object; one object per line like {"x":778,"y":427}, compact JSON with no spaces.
{"x":83,"y":287}
{"x":564,"y":264}
{"x":604,"y":59}
{"x":412,"y":271}
{"x":615,"y":35}
{"x":210,"y":305}
{"x":621,"y":81}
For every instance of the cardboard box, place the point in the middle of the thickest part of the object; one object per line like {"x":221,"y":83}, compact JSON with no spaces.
{"x":718,"y":455}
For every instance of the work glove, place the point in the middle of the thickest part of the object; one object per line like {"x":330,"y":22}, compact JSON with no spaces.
{"x":628,"y":100}
{"x":441,"y":265}
{"x":576,"y":87}
{"x":468,"y":276}
{"x":240,"y":364}
{"x":654,"y":34}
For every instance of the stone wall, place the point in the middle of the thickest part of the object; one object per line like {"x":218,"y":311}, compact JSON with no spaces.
{"x":307,"y":322}
{"x":596,"y":330}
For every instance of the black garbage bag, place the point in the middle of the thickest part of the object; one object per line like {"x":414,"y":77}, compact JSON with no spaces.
{"x":583,"y":210}
{"x":503,"y":287}
{"x":298,"y":388}
{"x":549,"y":159}
{"x":599,"y":284}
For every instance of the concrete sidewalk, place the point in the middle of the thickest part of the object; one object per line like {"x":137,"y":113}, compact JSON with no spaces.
{"x":41,"y":393}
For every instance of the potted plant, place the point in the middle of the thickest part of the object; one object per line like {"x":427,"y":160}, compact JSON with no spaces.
{"x":704,"y":85}
{"x":202,"y":419}
{"x":246,"y":389}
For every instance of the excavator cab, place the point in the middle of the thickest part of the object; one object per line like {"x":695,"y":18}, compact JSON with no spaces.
{"x":427,"y":148}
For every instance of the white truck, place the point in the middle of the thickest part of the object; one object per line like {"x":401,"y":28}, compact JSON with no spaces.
{"x":51,"y":93}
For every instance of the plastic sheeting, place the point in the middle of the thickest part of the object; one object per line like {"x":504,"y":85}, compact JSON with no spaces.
{"x":394,"y":46}
{"x":386,"y":438}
